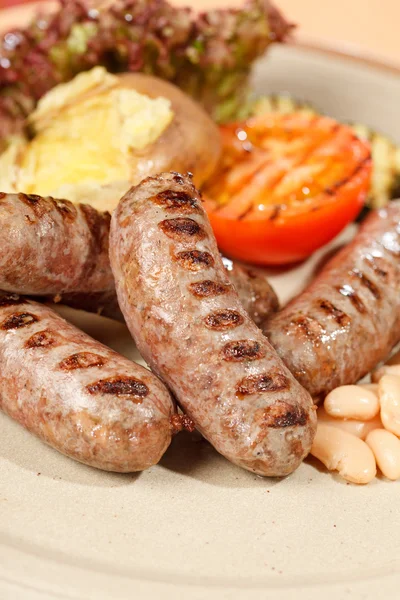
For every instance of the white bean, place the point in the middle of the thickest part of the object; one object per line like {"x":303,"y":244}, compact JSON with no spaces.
{"x":385,"y":370}
{"x":340,"y":451}
{"x":356,"y":427}
{"x":386,"y":449}
{"x":352,"y":402}
{"x":389,"y":397}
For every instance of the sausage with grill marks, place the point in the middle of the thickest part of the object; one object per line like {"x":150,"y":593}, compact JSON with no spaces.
{"x":348,"y":319}
{"x":77,"y":395}
{"x":60,"y":253}
{"x":52,"y":246}
{"x":189,"y":325}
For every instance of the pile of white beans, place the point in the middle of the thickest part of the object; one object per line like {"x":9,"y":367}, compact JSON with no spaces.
{"x":359,"y":427}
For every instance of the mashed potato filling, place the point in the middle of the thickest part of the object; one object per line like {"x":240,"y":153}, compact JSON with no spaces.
{"x":86,"y":135}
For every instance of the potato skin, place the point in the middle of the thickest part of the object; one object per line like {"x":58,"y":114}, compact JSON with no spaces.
{"x":190,"y":143}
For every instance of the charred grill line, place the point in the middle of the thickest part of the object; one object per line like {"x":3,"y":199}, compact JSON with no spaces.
{"x":330,"y":309}
{"x":256,"y":384}
{"x":36,"y":203}
{"x":41,"y":339}
{"x":349,"y":177}
{"x":282,"y":415}
{"x":182,"y":229}
{"x":172,"y":200}
{"x":120,"y":386}
{"x":305,"y":324}
{"x":372,"y":263}
{"x":223,"y":320}
{"x":194,"y":260}
{"x":66,"y":209}
{"x":208,"y":288}
{"x":242,"y":350}
{"x":81,"y":360}
{"x":18,"y":320}
{"x":366,"y":282}
{"x":351,"y":294}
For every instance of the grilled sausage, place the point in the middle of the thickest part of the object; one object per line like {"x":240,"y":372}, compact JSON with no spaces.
{"x":60,"y":252}
{"x":349,"y":318}
{"x":189,"y":325}
{"x":77,"y":395}
{"x":56,"y":247}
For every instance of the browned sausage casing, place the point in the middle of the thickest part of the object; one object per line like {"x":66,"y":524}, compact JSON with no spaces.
{"x":77,"y":395}
{"x":60,"y":252}
{"x":189,"y":325}
{"x":52,"y":246}
{"x":255,"y":293}
{"x":349,"y":318}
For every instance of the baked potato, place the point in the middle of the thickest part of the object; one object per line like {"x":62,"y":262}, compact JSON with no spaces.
{"x":190,"y":143}
{"x":94,"y":137}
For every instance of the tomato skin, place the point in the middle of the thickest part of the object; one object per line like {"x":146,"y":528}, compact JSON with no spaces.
{"x":292,"y":239}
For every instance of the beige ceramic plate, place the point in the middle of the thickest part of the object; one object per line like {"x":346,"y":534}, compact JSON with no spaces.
{"x":195,"y":526}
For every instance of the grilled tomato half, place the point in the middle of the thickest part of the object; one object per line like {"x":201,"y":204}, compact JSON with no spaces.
{"x":285,"y":186}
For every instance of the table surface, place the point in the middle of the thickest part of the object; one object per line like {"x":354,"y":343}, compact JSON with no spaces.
{"x":368,"y":27}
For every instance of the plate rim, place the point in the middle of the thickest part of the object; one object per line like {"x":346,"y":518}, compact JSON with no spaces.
{"x":351,"y":52}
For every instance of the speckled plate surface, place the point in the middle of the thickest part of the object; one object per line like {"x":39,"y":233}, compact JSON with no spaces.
{"x":195,"y":526}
